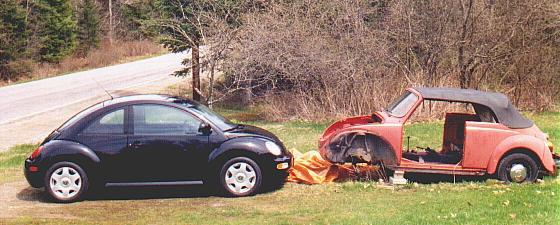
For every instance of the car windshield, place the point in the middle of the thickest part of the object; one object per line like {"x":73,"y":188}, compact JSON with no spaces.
{"x":218,"y":120}
{"x":402,"y":105}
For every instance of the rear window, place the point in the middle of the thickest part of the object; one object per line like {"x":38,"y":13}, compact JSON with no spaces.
{"x":80,"y":116}
{"x":110,"y":123}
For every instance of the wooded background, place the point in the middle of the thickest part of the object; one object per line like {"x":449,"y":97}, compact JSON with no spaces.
{"x":309,"y":58}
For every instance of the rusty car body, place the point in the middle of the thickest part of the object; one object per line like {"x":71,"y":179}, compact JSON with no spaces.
{"x":494,"y":140}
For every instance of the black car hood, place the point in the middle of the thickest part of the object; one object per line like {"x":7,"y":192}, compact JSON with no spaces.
{"x":250,"y":131}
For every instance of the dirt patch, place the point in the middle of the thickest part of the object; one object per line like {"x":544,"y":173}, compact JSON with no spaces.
{"x":19,"y":200}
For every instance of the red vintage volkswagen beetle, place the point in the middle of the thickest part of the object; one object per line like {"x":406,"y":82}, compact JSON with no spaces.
{"x":494,"y":139}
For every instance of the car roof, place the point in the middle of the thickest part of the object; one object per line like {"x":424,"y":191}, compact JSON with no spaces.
{"x":149,"y":98}
{"x":499,"y":103}
{"x":126,"y":100}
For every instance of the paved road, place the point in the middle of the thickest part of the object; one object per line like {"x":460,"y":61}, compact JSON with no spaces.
{"x":27,"y":99}
{"x":30,"y":110}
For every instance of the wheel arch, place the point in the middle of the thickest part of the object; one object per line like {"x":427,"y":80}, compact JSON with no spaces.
{"x":249,"y":146}
{"x":219,"y":158}
{"x":62,"y":150}
{"x":376,"y":144}
{"x":493,"y":168}
{"x":232,"y":153}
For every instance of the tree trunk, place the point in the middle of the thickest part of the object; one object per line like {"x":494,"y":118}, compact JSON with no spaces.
{"x":111,"y":22}
{"x":26,"y":12}
{"x":464,"y":76}
{"x":210,"y":98}
{"x":196,"y":72}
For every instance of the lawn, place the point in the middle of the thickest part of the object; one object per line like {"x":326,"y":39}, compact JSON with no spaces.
{"x":475,"y":202}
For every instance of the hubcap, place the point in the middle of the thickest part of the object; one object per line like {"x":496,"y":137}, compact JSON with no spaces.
{"x":240,"y":178}
{"x":518,"y":173}
{"x":65,"y":182}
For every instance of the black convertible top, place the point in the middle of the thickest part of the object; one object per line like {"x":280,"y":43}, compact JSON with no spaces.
{"x":505,"y":112}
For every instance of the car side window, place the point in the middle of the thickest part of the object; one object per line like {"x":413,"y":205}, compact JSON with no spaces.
{"x":163,"y":120}
{"x":110,"y":123}
{"x":484,"y":113}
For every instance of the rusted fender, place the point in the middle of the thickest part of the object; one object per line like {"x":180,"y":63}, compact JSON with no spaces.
{"x":528,"y":142}
{"x":344,"y":123}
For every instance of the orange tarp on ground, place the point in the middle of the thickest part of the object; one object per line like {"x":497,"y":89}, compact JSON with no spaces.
{"x":311,"y":168}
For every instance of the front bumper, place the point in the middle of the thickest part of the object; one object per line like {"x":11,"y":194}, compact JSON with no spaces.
{"x":279,"y":169}
{"x":34,"y":178}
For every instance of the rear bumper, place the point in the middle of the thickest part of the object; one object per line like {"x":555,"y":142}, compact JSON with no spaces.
{"x":34,"y":178}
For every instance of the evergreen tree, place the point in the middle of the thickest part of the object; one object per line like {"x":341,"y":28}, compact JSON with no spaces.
{"x":57,"y":31}
{"x":88,"y":27}
{"x":137,"y":19}
{"x":13,"y":38}
{"x":180,"y":32}
{"x":182,"y":24}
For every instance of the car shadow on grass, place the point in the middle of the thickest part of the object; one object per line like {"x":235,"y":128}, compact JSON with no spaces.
{"x":424,"y":178}
{"x":134,"y":193}
{"x":124,"y":193}
{"x":131,"y":193}
{"x":32,"y":195}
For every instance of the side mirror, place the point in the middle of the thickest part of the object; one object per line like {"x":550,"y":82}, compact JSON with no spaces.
{"x":205,"y":128}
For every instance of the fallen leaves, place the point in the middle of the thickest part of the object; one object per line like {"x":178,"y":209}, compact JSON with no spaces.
{"x":506,"y":203}
{"x":498,"y":192}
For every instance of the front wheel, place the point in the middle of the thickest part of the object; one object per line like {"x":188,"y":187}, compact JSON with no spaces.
{"x":66,"y":182}
{"x":240,"y":176}
{"x":518,"y":168}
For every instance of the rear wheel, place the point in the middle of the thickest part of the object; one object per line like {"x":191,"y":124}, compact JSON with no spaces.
{"x":518,"y":168}
{"x":240,"y":176}
{"x":66,"y":182}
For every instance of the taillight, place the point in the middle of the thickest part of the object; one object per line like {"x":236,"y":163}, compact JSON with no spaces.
{"x":36,"y":153}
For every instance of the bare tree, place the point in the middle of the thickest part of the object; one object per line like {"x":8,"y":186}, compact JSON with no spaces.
{"x":191,"y":24}
{"x":317,"y":58}
{"x":111,"y":26}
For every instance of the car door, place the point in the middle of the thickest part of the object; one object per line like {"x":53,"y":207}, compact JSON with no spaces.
{"x":165,"y":145}
{"x":106,"y":136}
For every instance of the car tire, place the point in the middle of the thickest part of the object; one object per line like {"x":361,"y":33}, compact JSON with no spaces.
{"x":66,"y":182}
{"x":240,"y":176}
{"x":518,"y":168}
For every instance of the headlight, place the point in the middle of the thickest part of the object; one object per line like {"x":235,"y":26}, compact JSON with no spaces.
{"x":273,"y":148}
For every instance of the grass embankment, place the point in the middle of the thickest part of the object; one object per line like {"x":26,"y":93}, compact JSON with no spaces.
{"x":485,"y":202}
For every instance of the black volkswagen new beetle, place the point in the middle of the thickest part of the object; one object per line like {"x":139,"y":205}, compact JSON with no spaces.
{"x":155,"y":140}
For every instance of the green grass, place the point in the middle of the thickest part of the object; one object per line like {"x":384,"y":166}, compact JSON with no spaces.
{"x":424,"y":134}
{"x":11,"y":162}
{"x":548,"y":122}
{"x":482,"y":202}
